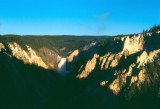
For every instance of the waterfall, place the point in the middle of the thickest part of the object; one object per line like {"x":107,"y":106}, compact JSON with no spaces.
{"x":62,"y":67}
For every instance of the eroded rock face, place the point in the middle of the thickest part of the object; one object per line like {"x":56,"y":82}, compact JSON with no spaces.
{"x":1,"y":47}
{"x":109,"y":60}
{"x":89,"y":67}
{"x":29,"y":57}
{"x":44,"y":57}
{"x":133,"y":80}
{"x":145,"y":58}
{"x":133,"y":44}
{"x":121,"y":79}
{"x":127,"y":67}
{"x":103,"y":83}
{"x":141,"y":76}
{"x":158,"y":32}
{"x":72,"y":55}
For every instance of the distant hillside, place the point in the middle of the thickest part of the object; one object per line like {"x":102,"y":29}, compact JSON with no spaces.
{"x":46,"y":51}
{"x":60,"y":44}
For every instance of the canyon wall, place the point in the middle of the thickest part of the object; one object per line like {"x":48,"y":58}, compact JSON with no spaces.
{"x":42,"y":57}
{"x":127,"y":67}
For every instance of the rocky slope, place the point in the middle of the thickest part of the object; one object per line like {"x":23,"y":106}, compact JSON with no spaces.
{"x":44,"y":57}
{"x":24,"y":85}
{"x":116,"y":72}
{"x":44,"y":51}
{"x":123,"y":67}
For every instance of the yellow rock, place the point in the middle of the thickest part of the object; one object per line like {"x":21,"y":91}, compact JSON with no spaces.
{"x":72,"y":55}
{"x":103,"y":83}
{"x":89,"y":67}
{"x":1,"y":47}
{"x":29,"y":57}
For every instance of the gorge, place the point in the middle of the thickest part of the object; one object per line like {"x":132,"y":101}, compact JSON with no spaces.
{"x":107,"y":72}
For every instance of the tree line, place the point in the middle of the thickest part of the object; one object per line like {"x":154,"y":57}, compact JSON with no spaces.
{"x":153,"y":29}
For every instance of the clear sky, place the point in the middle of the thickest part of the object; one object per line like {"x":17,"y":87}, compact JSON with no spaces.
{"x":77,"y":17}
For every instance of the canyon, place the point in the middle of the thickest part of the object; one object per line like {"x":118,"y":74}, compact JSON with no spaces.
{"x":106,"y":72}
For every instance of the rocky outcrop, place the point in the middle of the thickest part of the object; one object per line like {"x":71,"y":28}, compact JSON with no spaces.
{"x":43,"y":57}
{"x":1,"y":47}
{"x":29,"y":57}
{"x":141,"y":76}
{"x":103,"y":61}
{"x":109,"y":60}
{"x":127,"y":67}
{"x":133,"y":44}
{"x":145,"y":58}
{"x":72,"y":55}
{"x":158,"y":32}
{"x":89,"y":67}
{"x":103,"y":83}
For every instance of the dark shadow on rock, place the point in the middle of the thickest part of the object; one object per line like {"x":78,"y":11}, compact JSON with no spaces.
{"x":26,"y":86}
{"x":152,"y":42}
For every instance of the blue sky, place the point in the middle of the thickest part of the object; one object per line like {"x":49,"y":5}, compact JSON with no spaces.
{"x":77,"y":17}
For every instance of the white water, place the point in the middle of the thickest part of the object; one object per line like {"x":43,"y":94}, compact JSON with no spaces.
{"x":62,"y":67}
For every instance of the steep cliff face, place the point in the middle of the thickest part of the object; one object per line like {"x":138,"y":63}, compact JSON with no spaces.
{"x":44,"y":57}
{"x":145,"y":57}
{"x":2,"y":47}
{"x":120,"y":70}
{"x":25,"y":85}
{"x":31,"y":57}
{"x":72,"y":55}
{"x":90,"y":66}
{"x":133,"y":44}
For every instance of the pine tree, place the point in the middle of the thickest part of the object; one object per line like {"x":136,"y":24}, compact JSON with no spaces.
{"x":158,"y":27}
